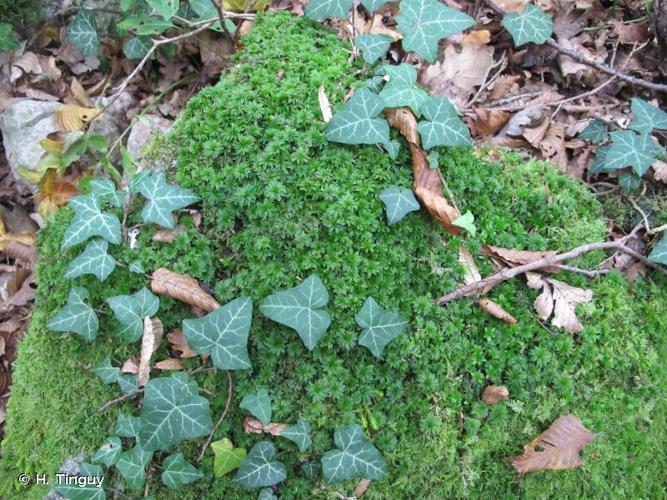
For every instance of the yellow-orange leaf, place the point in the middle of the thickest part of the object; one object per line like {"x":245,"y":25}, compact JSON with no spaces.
{"x":71,"y":117}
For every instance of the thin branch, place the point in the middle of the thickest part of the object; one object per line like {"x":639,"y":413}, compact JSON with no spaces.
{"x":221,"y":16}
{"x":125,"y":397}
{"x":221,"y":419}
{"x":590,"y":273}
{"x":647,"y":225}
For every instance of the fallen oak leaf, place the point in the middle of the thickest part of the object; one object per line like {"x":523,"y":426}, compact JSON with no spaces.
{"x":494,"y":309}
{"x":253,"y":426}
{"x":182,"y":287}
{"x":556,"y":448}
{"x":150,"y":341}
{"x":494,"y":393}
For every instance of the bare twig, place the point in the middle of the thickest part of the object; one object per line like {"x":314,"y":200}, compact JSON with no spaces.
{"x":125,"y":397}
{"x":221,"y":16}
{"x":221,"y":419}
{"x":590,"y":273}
{"x":647,"y":226}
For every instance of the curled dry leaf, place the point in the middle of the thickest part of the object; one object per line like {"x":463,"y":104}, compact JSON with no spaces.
{"x":180,"y":344}
{"x":514,"y":258}
{"x":150,"y":341}
{"x":494,"y":309}
{"x":182,"y":287}
{"x":494,"y":393}
{"x":71,"y":117}
{"x":361,"y":488}
{"x":19,"y":251}
{"x":130,"y":366}
{"x":560,"y":299}
{"x":325,"y":105}
{"x":556,"y":448}
{"x":168,"y":236}
{"x":253,"y":426}
{"x":169,"y":364}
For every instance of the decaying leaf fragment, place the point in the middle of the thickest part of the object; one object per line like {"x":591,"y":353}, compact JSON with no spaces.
{"x":179,"y":343}
{"x":150,"y":341}
{"x":169,"y":364}
{"x":556,"y":448}
{"x":494,"y":393}
{"x":514,"y":258}
{"x":253,"y":426}
{"x":71,"y":117}
{"x":182,"y":287}
{"x":494,"y":309}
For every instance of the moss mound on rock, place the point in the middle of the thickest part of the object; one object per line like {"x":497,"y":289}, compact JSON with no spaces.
{"x":280,"y":203}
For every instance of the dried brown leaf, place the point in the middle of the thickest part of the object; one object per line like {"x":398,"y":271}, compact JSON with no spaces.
{"x":182,"y":287}
{"x":325,"y":105}
{"x":489,"y":121}
{"x":130,"y":366}
{"x":660,"y":171}
{"x":556,"y":448}
{"x":361,"y":488}
{"x":467,"y":67}
{"x":560,"y":299}
{"x":494,"y":309}
{"x":169,"y":364}
{"x":179,"y":343}
{"x":150,"y":341}
{"x":19,"y":251}
{"x":253,"y":426}
{"x":168,"y":235}
{"x":494,"y":393}
{"x":515,"y":258}
{"x":71,"y":117}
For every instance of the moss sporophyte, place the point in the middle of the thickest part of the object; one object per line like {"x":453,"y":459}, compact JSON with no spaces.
{"x":280,"y":203}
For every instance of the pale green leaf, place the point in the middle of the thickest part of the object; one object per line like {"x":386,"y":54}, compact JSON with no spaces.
{"x":153,"y":25}
{"x":467,"y":222}
{"x":358,"y":121}
{"x":109,"y":453}
{"x":132,"y":466}
{"x":7,"y":39}
{"x":223,"y":333}
{"x":177,"y":472}
{"x":130,"y":311}
{"x":398,"y":202}
{"x":93,"y":260}
{"x":659,"y":252}
{"x":355,"y":457}
{"x":258,"y":405}
{"x":91,"y":490}
{"x":82,"y":32}
{"x":76,"y":316}
{"x":424,"y":23}
{"x":392,"y":147}
{"x":166,"y":8}
{"x":379,"y":327}
{"x":163,"y":199}
{"x":373,"y":5}
{"x":402,"y":89}
{"x":444,"y":126}
{"x":300,"y":308}
{"x":136,"y":267}
{"x":266,"y":494}
{"x":108,"y":373}
{"x":629,"y":149}
{"x":299,"y":434}
{"x":325,"y":9}
{"x":647,"y":116}
{"x":90,"y":221}
{"x":137,"y":47}
{"x":595,"y":131}
{"x":172,"y":412}
{"x":531,"y":25}
{"x":105,"y":191}
{"x":259,"y":469}
{"x":128,"y":383}
{"x":227,"y":458}
{"x":373,"y":47}
{"x":127,"y":425}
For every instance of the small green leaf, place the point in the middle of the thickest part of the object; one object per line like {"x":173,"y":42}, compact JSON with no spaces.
{"x":647,"y":116}
{"x":106,"y":192}
{"x":629,"y":181}
{"x":109,"y":452}
{"x":130,"y":311}
{"x":373,"y":47}
{"x":629,"y":149}
{"x":266,"y":494}
{"x":325,"y":9}
{"x":153,"y":25}
{"x":392,"y":147}
{"x":166,"y":8}
{"x":312,"y":470}
{"x":97,"y":143}
{"x":258,"y":405}
{"x":424,"y":23}
{"x":467,"y":222}
{"x":358,"y":122}
{"x":163,"y":199}
{"x":126,"y":5}
{"x":137,"y":47}
{"x":128,"y":383}
{"x":90,"y":221}
{"x":379,"y":327}
{"x":300,"y":308}
{"x":223,"y":333}
{"x":398,"y":202}
{"x":108,"y":373}
{"x":76,"y":316}
{"x":132,"y":466}
{"x":402,"y":88}
{"x":355,"y":457}
{"x":299,"y":434}
{"x":91,"y":490}
{"x":93,"y":260}
{"x":659,"y":252}
{"x":7,"y":39}
{"x":227,"y":458}
{"x":444,"y":126}
{"x":595,"y":131}
{"x":259,"y":469}
{"x":74,"y":152}
{"x":127,"y":425}
{"x":136,"y":267}
{"x":173,"y":411}
{"x":532,"y":25}
{"x":82,"y":32}
{"x":177,"y":472}
{"x":373,"y":5}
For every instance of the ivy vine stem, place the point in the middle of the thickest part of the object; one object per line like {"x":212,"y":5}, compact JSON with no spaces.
{"x":230,"y":385}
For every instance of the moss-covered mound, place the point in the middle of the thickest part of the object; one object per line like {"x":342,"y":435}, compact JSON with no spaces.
{"x":280,"y":203}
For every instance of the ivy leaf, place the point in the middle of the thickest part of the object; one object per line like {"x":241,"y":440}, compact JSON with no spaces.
{"x":86,"y":491}
{"x":128,"y":383}
{"x":76,"y":316}
{"x":532,"y":25}
{"x":398,"y":202}
{"x":258,"y":405}
{"x":163,"y":199}
{"x":105,"y":191}
{"x":424,"y":22}
{"x":444,"y":126}
{"x":7,"y":40}
{"x":259,"y":469}
{"x":647,"y":116}
{"x":127,"y":425}
{"x":358,"y":122}
{"x":629,"y":149}
{"x":629,"y":181}
{"x":227,"y":458}
{"x":325,"y":9}
{"x":659,"y":252}
{"x":380,"y":327}
{"x":136,"y":267}
{"x":392,"y":147}
{"x":373,"y":47}
{"x":166,"y":8}
{"x":108,"y":373}
{"x":467,"y":222}
{"x":130,"y":311}
{"x":177,"y":472}
{"x":90,"y":221}
{"x":173,"y":411}
{"x":373,"y":5}
{"x":109,"y":452}
{"x":137,"y":47}
{"x":311,"y":469}
{"x":300,"y":308}
{"x":223,"y":333}
{"x":266,"y":494}
{"x":355,"y":457}
{"x":132,"y":466}
{"x":82,"y":32}
{"x":93,"y":260}
{"x":402,"y":89}
{"x":595,"y":131}
{"x":299,"y":434}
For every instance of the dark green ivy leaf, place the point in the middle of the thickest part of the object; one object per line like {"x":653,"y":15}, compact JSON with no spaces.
{"x":595,"y":131}
{"x":444,"y":126}
{"x":325,"y":9}
{"x":92,"y":490}
{"x":76,"y":316}
{"x":108,"y":373}
{"x":402,"y":89}
{"x":90,"y":221}
{"x":299,"y":434}
{"x":177,"y":472}
{"x":163,"y":199}
{"x":258,"y":405}
{"x":109,"y":452}
{"x":82,"y":32}
{"x":355,"y":457}
{"x":373,"y":47}
{"x":659,"y":252}
{"x":379,"y":326}
{"x":531,"y":25}
{"x":647,"y":116}
{"x":259,"y":469}
{"x":132,"y":466}
{"x":398,"y":202}
{"x":93,"y":260}
{"x":358,"y":122}
{"x":130,"y":311}
{"x":629,"y":149}
{"x":127,"y":425}
{"x":137,"y":47}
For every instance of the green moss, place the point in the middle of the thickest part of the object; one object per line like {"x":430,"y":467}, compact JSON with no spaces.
{"x":279,"y":203}
{"x":21,"y":14}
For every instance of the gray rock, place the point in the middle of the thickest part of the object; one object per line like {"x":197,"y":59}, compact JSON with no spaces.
{"x":114,"y":120}
{"x":143,"y":131}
